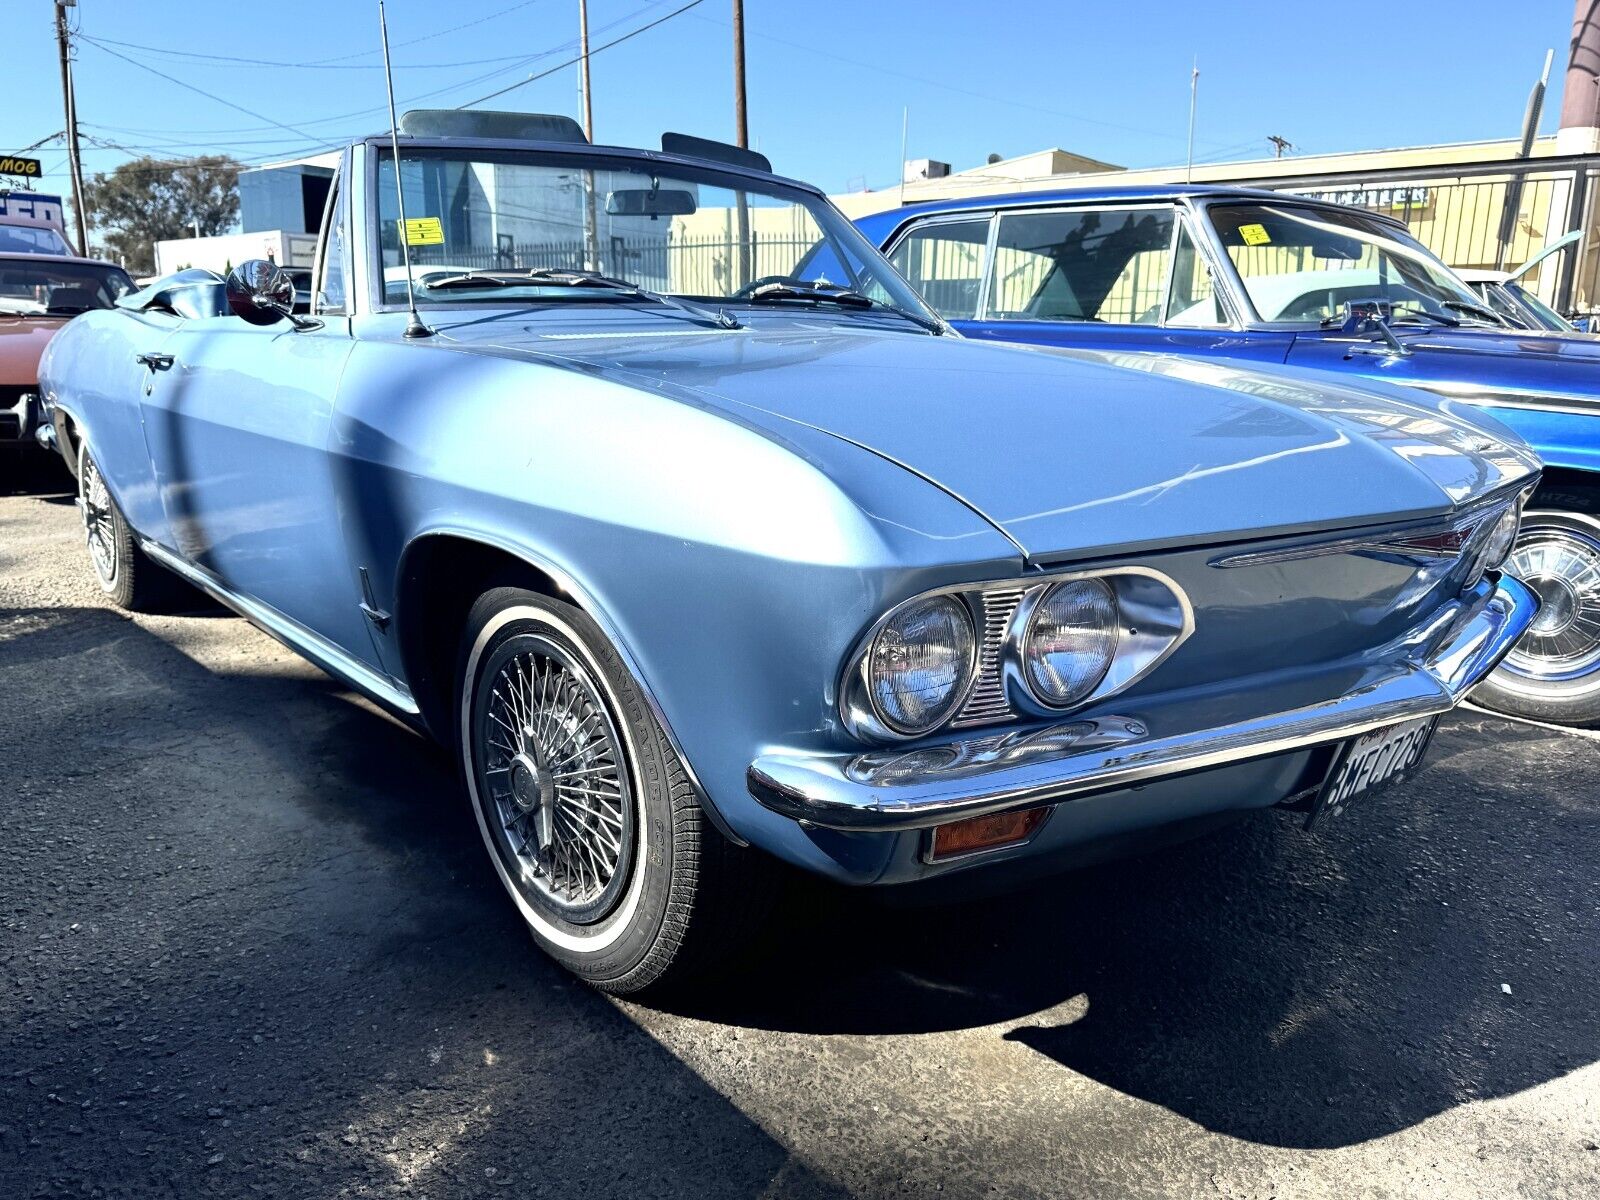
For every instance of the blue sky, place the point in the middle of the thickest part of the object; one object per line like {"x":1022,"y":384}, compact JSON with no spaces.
{"x":828,"y":79}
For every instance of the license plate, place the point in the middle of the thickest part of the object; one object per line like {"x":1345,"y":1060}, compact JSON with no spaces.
{"x":1373,"y":761}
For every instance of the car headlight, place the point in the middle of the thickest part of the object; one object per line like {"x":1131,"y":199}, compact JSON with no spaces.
{"x":1497,"y":546}
{"x":1071,"y":641}
{"x":920,"y":664}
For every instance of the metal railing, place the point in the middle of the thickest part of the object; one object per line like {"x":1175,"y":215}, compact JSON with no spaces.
{"x":705,"y":266}
{"x":1492,"y":215}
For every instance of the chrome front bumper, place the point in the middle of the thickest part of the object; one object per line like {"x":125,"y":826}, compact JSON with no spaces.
{"x":1428,"y":672}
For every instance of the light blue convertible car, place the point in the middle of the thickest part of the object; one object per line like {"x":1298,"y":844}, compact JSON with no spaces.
{"x":699,"y":560}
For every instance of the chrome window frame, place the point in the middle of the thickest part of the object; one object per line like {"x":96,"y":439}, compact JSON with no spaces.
{"x":338,"y":199}
{"x":964,"y":217}
{"x":1181,"y":207}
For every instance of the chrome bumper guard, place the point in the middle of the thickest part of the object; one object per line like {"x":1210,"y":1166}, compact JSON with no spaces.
{"x":1426,"y":673}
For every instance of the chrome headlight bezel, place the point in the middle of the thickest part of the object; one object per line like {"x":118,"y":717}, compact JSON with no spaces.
{"x":863,"y":712}
{"x":1154,"y":618}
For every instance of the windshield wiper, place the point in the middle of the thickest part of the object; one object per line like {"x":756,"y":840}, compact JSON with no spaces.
{"x":1425,"y":314}
{"x":1476,"y":310}
{"x":769,"y":293}
{"x":552,"y":276}
{"x":564,"y":278}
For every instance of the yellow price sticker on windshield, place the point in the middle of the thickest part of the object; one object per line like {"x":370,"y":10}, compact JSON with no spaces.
{"x":1255,"y":235}
{"x":424,"y":231}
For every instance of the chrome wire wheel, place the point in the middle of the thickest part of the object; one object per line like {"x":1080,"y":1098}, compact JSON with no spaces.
{"x":552,"y":771}
{"x":99,"y":524}
{"x":1561,"y":564}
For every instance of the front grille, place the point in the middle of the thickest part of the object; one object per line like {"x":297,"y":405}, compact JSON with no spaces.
{"x":987,"y":703}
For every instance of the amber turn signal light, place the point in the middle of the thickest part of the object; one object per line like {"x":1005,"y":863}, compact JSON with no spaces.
{"x":984,"y":833}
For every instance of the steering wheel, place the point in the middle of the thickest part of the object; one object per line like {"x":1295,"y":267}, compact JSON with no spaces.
{"x":744,"y":292}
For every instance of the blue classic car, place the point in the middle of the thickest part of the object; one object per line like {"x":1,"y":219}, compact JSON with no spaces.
{"x":699,"y":560}
{"x":1263,"y":277}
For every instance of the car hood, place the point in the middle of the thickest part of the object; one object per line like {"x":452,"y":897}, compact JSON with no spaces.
{"x":22,"y":341}
{"x":1069,"y":453}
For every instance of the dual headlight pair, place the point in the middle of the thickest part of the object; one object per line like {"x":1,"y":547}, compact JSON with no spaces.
{"x":1492,"y":549}
{"x":1045,"y":648}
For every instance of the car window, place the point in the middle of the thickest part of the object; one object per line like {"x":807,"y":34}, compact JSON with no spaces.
{"x":502,"y":225}
{"x":54,"y":288}
{"x":943,"y":260}
{"x":1302,"y":264}
{"x":31,"y":239}
{"x":1193,"y":301}
{"x":330,"y":291}
{"x":1084,"y":265}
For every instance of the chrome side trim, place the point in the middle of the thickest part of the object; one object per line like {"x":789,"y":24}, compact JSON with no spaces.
{"x":311,"y":646}
{"x":1396,"y":540}
{"x":1472,"y":393}
{"x":1426,"y":673}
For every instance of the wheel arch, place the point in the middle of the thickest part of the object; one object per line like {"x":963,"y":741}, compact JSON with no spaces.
{"x":1559,"y":480}
{"x":441,"y":574}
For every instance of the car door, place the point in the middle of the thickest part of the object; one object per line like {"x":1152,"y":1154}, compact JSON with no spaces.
{"x":237,"y":420}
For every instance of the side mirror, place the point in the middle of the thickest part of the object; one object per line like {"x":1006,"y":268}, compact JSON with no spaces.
{"x":1362,"y":316}
{"x":260,"y":292}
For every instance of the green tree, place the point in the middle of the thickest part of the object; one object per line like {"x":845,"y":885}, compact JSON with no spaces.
{"x":151,"y":199}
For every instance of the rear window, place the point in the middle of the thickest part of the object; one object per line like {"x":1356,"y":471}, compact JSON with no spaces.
{"x":31,"y":239}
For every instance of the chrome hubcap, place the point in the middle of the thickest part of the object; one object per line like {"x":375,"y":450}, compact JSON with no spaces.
{"x":552,"y":769}
{"x":95,"y":501}
{"x":1562,"y":567}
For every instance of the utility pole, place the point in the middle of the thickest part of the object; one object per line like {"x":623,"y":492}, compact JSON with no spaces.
{"x":70,"y":106}
{"x":1194,"y":97}
{"x":741,"y":127}
{"x":1279,"y":145}
{"x":741,"y":136}
{"x":591,"y":224}
{"x":583,"y":70}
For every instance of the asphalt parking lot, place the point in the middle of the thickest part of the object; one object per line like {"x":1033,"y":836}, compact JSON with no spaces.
{"x":250,"y":945}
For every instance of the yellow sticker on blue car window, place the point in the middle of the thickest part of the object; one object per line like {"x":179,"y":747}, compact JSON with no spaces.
{"x":424,"y":231}
{"x":1253,"y":235}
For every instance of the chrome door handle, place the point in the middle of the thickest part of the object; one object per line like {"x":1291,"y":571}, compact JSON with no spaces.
{"x":156,"y":362}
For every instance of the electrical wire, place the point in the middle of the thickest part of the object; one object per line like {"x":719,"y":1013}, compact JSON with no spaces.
{"x":199,"y":91}
{"x":606,"y":46}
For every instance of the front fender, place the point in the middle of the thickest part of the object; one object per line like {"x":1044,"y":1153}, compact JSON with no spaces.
{"x":733,"y":571}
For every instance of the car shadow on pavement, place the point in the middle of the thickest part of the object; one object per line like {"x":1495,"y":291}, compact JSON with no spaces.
{"x":1292,"y":989}
{"x":285,"y":948}
{"x":27,"y":471}
{"x":250,"y":936}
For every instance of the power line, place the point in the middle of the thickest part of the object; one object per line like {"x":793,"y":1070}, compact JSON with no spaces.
{"x":428,"y":95}
{"x":604,"y":46}
{"x":881,"y":69}
{"x":198,"y":91}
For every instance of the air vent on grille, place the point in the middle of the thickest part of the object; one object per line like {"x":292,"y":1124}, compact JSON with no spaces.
{"x":987,"y":702}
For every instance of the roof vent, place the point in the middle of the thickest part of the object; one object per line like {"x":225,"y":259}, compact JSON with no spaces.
{"x":461,"y":122}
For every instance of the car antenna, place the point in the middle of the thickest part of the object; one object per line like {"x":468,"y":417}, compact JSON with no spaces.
{"x":414,"y":327}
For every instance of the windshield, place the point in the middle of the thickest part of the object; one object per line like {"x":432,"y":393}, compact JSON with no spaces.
{"x":1538,"y":310}
{"x":481,"y":224}
{"x":39,"y":287}
{"x":1305,"y":264}
{"x":31,"y":239}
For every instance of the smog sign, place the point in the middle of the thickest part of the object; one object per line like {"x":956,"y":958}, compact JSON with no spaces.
{"x":15,"y":164}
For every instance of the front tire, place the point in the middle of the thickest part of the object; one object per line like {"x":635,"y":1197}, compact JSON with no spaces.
{"x":589,"y":818}
{"x":1553,"y":673}
{"x":125,"y":574}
